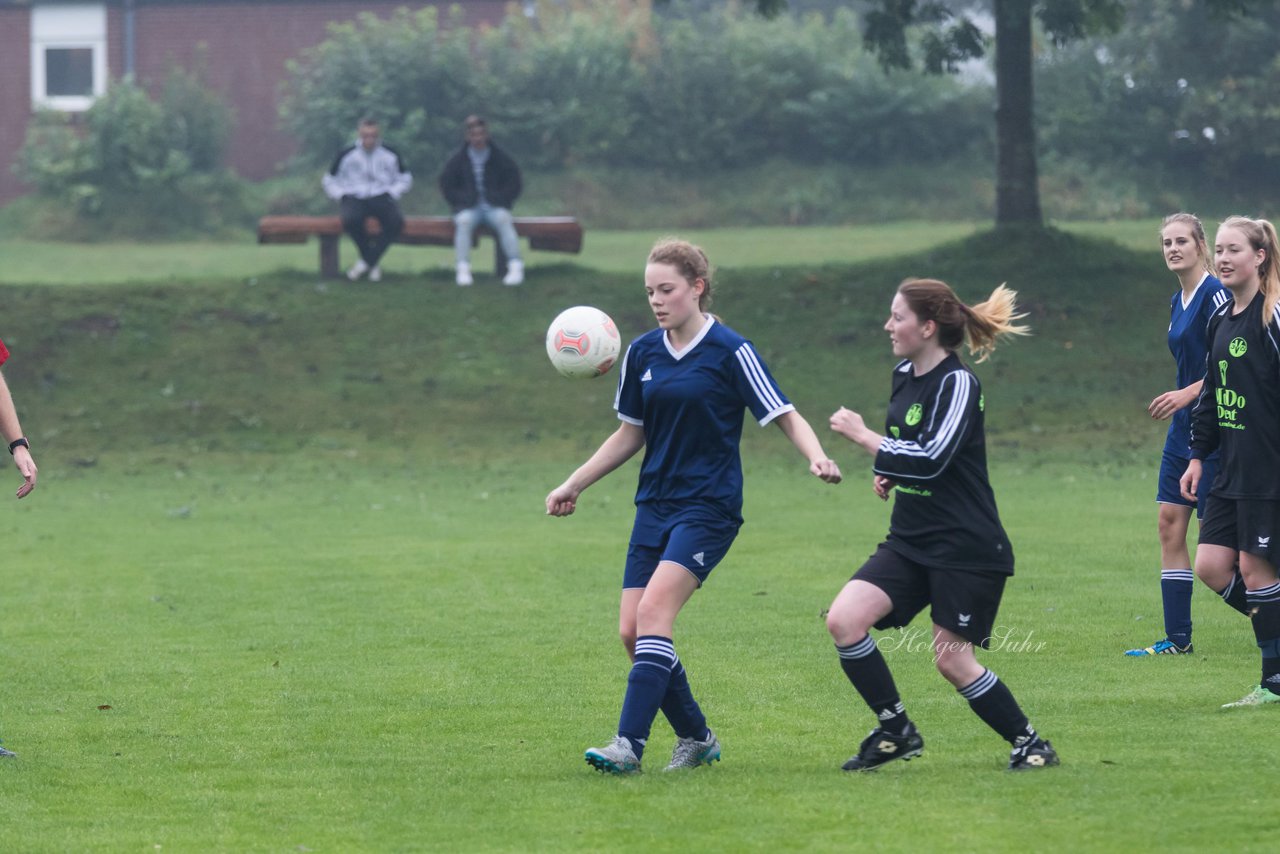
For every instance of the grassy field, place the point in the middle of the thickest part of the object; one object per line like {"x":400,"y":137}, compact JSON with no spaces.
{"x":286,"y":583}
{"x":50,"y":263}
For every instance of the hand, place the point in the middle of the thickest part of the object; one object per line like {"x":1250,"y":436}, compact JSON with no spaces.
{"x":882,"y":486}
{"x":848,"y":423}
{"x":826,"y":470}
{"x":1189,"y":484}
{"x":27,"y":466}
{"x":562,"y":501}
{"x":1166,"y":404}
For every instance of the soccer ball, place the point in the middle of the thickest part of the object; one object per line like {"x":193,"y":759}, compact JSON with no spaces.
{"x":583,"y":342}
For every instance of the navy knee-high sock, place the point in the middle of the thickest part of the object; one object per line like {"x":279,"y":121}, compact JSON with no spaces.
{"x":646,"y":686}
{"x":1265,"y":604}
{"x":680,"y":708}
{"x":1175,"y":590}
{"x":866,"y":668}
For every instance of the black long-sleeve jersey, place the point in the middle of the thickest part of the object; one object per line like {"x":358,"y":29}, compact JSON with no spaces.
{"x":1238,"y":410}
{"x":945,"y":513}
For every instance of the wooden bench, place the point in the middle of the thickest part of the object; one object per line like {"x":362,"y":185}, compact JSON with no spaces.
{"x":550,"y":233}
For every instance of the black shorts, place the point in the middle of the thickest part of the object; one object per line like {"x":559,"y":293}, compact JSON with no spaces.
{"x":963,"y":602}
{"x":1242,"y":524}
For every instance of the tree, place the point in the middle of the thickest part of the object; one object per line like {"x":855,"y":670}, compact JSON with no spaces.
{"x":950,"y":34}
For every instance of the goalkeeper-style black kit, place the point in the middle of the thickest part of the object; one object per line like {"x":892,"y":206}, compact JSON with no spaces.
{"x":944,"y":515}
{"x":1238,"y":410}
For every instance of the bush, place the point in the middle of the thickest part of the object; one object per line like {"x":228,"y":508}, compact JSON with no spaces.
{"x":135,"y":166}
{"x":607,"y":85}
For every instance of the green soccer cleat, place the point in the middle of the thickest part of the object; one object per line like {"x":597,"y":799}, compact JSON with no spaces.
{"x":616,"y":757}
{"x":1259,"y":696}
{"x":1162,"y":647}
{"x":690,"y":752}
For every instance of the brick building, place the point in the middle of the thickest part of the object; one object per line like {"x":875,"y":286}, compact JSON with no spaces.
{"x":62,"y":54}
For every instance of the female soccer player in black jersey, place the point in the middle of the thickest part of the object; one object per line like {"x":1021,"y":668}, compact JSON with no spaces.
{"x":682,"y":393}
{"x":1238,"y":414}
{"x":946,"y":547}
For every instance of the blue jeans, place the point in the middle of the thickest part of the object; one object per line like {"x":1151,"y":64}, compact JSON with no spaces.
{"x":499,"y":219}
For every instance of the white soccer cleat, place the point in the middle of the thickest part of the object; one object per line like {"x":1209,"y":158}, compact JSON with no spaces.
{"x":616,"y":757}
{"x":690,"y":752}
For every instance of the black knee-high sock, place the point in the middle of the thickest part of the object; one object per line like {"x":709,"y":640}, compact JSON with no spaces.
{"x":992,"y":701}
{"x":1265,"y":604}
{"x":869,"y":673}
{"x":1234,"y":593}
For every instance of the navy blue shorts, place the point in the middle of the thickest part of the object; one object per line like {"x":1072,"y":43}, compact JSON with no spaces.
{"x":692,"y":537}
{"x":1172,"y":468}
{"x":962,"y":602}
{"x":1243,"y":525}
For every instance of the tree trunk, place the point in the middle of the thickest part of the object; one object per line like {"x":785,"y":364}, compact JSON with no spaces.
{"x":1017,"y":187}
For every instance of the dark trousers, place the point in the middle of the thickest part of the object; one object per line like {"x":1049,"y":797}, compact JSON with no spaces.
{"x":382,"y":208}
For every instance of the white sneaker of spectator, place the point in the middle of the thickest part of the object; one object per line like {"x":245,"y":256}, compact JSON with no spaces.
{"x":375,"y":273}
{"x":515,"y":273}
{"x":358,"y":269}
{"x":464,"y":275}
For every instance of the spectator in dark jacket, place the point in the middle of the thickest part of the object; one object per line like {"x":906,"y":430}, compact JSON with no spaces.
{"x":481,"y":184}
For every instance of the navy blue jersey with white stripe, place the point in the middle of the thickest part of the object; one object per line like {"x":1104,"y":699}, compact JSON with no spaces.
{"x":691,"y":404}
{"x":944,"y":512}
{"x":1189,"y":343}
{"x":1238,"y":410}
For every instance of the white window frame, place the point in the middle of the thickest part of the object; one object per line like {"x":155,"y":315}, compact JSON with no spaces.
{"x":72,"y":26}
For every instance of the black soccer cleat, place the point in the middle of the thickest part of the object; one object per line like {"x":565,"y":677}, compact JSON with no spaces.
{"x":1036,"y":753}
{"x":881,"y":747}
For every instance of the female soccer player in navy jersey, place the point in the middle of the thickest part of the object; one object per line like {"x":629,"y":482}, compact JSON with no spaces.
{"x":681,"y":396}
{"x":1238,"y":414}
{"x":946,"y":547}
{"x":1186,"y":253}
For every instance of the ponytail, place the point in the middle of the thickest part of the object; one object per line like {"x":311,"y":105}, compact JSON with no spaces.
{"x":979,"y":327}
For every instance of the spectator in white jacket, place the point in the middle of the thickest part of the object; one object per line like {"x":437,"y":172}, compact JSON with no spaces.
{"x":367,"y":180}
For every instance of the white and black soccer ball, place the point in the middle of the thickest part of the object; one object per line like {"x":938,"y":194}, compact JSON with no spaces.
{"x":583,"y":342}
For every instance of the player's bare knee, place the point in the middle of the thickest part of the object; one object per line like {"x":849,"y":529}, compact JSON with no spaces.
{"x":628,"y":637}
{"x":845,"y":625}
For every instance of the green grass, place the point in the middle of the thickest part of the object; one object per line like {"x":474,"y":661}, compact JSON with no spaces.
{"x":291,"y":535}
{"x":34,"y":262}
{"x":375,"y":657}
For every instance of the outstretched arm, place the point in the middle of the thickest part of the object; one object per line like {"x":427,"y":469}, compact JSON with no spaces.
{"x":12,"y":431}
{"x":806,"y":441}
{"x":621,"y":446}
